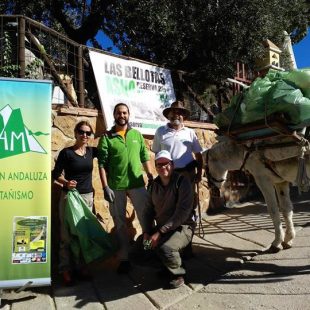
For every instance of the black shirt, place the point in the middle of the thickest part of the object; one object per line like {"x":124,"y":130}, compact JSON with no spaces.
{"x":76,"y":167}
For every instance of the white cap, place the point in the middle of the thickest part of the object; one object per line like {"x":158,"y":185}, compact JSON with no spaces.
{"x":163,"y":154}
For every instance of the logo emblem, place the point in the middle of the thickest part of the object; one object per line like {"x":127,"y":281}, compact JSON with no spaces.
{"x":15,"y":137}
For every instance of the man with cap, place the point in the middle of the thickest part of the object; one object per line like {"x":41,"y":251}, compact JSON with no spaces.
{"x":181,"y":142}
{"x":170,"y":204}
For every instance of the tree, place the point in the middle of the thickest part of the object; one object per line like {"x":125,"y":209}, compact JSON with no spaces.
{"x":203,"y":38}
{"x":80,"y":20}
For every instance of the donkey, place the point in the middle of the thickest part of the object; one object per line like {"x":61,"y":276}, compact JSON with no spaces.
{"x":272,"y":178}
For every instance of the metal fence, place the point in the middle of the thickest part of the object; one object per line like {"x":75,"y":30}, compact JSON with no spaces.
{"x":29,"y":49}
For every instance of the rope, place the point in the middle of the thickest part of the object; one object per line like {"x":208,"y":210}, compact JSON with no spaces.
{"x":302,"y":179}
{"x":201,"y":232}
{"x":284,"y":133}
{"x":239,"y":101}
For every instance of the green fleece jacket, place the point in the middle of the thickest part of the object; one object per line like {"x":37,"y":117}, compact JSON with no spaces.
{"x":122,"y":159}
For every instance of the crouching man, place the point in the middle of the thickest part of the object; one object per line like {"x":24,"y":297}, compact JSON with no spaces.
{"x":170,"y":204}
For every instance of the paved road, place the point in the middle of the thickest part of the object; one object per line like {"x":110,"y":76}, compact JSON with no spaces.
{"x":229,"y":271}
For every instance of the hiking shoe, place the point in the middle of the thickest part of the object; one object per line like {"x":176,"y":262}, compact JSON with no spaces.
{"x":176,"y":281}
{"x":163,"y":273}
{"x":187,"y":252}
{"x":67,"y":278}
{"x":84,"y":275}
{"x":124,"y":267}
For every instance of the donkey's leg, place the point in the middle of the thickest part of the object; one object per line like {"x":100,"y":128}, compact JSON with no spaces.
{"x":265,"y":180}
{"x":286,"y":207}
{"x":269,"y":193}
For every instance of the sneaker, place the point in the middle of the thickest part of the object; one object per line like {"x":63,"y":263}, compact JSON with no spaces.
{"x":176,"y":281}
{"x":124,"y":267}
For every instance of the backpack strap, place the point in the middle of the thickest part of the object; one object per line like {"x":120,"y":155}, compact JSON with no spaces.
{"x":179,"y":181}
{"x":177,"y":185}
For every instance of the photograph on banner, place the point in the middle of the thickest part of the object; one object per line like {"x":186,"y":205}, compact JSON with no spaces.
{"x":29,"y":240}
{"x":145,"y":88}
{"x":25,"y":182}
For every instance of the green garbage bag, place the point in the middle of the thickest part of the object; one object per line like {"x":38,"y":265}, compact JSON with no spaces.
{"x":253,"y":104}
{"x":232,"y":115}
{"x":89,"y":240}
{"x":278,"y":93}
{"x":300,"y":77}
{"x":286,"y":98}
{"x":282,"y":97}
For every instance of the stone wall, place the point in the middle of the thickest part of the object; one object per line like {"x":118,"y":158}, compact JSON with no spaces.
{"x":63,"y":123}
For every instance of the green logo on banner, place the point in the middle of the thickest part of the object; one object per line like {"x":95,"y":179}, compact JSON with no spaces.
{"x":15,"y":138}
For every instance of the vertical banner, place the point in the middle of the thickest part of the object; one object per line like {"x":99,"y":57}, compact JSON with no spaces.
{"x":145,"y":88}
{"x":25,"y":182}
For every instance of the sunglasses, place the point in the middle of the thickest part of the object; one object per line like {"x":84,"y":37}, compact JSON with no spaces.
{"x":163,"y":165}
{"x":82,"y":132}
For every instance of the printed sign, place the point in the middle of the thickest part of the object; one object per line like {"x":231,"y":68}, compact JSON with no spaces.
{"x":145,"y":88}
{"x":25,"y":182}
{"x":29,"y":240}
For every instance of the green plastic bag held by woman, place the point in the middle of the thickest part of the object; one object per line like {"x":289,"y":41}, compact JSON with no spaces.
{"x":89,"y":240}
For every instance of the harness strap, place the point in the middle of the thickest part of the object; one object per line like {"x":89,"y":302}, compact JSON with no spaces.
{"x":210,"y":178}
{"x":247,"y":154}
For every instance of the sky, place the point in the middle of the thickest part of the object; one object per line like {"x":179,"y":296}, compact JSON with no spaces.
{"x":302,"y":52}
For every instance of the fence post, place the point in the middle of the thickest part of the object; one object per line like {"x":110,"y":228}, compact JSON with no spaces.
{"x":21,"y":44}
{"x":81,"y":86}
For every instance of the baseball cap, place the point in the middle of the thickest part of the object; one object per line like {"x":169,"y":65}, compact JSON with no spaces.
{"x":163,"y":154}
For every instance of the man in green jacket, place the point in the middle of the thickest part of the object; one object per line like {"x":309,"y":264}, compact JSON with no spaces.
{"x":121,"y":151}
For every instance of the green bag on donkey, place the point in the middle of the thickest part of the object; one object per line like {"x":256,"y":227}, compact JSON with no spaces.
{"x":89,"y":239}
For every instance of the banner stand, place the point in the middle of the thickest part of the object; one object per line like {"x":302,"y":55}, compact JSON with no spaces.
{"x":25,"y":183}
{"x":24,"y":286}
{"x":18,"y":290}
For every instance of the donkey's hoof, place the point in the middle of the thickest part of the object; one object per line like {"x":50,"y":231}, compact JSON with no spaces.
{"x":286,"y":246}
{"x":271,"y":250}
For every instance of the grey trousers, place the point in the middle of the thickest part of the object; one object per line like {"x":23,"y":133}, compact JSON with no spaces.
{"x":169,"y":251}
{"x":138,"y":197}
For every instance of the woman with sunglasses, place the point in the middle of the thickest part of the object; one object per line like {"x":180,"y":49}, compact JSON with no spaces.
{"x":73,"y":169}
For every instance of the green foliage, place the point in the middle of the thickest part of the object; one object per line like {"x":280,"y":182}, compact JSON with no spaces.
{"x":10,"y":69}
{"x":203,"y":38}
{"x":80,"y":20}
{"x":7,"y":68}
{"x":33,"y":69}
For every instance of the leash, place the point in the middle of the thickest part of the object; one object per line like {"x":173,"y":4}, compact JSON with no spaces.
{"x":201,"y":232}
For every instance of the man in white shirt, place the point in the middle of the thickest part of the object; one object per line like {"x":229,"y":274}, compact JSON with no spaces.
{"x":181,"y":142}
